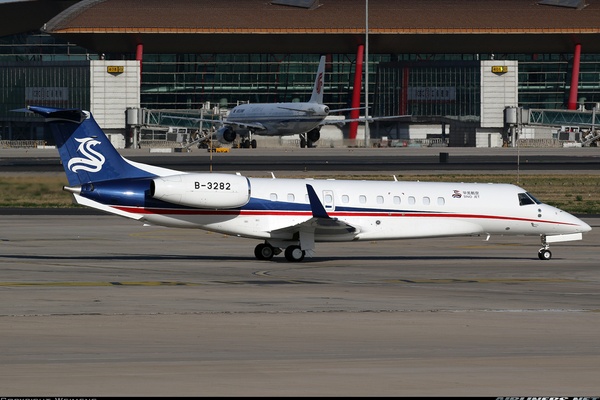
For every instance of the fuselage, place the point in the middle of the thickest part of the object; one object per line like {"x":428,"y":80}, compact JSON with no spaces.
{"x":279,"y":119}
{"x":379,"y":210}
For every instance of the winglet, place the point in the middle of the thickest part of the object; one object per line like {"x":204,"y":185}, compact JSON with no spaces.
{"x":316,"y":206}
{"x":317,"y":93}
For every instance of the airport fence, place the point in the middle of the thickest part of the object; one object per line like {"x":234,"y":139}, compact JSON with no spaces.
{"x":22,"y":144}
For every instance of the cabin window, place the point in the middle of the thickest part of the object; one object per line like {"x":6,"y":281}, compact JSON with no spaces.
{"x":273,"y":197}
{"x":345,"y":199}
{"x":397,"y":200}
{"x":362,"y":199}
{"x":379,"y":199}
{"x":441,"y":201}
{"x":411,"y":200}
{"x":328,"y":198}
{"x":426,"y":201}
{"x":291,"y":197}
{"x":526,"y":199}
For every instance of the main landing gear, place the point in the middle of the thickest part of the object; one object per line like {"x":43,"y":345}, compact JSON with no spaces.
{"x":293,"y":253}
{"x":247,"y":143}
{"x":544,"y":254}
{"x":308,"y":139}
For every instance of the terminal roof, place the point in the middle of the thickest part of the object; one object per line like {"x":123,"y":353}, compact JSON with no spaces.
{"x":332,"y":26}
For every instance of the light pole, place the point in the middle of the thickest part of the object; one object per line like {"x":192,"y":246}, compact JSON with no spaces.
{"x":367,"y":133}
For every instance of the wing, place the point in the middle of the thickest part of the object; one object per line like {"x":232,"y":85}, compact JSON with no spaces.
{"x":346,"y":109}
{"x":219,"y":122}
{"x":341,"y":121}
{"x":321,"y":224}
{"x":244,"y":125}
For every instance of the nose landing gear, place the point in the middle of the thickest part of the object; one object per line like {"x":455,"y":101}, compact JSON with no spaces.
{"x":544,"y":253}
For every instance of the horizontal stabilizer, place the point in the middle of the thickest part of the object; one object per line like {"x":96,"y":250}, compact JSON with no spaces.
{"x":309,"y":111}
{"x":71,"y":115}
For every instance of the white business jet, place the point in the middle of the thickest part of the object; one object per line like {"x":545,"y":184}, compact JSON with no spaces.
{"x":292,"y":215}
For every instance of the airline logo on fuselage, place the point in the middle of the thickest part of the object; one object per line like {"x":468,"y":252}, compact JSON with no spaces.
{"x":92,"y":161}
{"x":465,"y":194}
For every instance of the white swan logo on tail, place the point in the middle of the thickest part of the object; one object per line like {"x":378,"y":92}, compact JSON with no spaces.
{"x":92,"y":160}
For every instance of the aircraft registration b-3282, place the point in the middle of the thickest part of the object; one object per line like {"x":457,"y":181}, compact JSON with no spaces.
{"x":292,"y":215}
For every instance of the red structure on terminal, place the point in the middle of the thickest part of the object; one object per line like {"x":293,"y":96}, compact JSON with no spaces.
{"x":355,"y":112}
{"x":572,"y":105}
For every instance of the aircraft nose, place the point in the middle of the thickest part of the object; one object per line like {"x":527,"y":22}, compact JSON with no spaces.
{"x":584,"y":226}
{"x":572,"y":223}
{"x":580,"y":225}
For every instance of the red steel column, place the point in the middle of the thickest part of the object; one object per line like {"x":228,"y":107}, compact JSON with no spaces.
{"x":404,"y":92}
{"x":355,"y":112}
{"x":572,"y":105}
{"x":139,"y":52}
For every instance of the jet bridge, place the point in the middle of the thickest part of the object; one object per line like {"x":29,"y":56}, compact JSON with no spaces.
{"x":564,"y":117}
{"x":174,"y":128}
{"x":584,"y":122}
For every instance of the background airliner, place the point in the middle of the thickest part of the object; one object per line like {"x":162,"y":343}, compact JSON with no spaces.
{"x":292,"y":215}
{"x":278,"y":119}
{"x":282,"y":119}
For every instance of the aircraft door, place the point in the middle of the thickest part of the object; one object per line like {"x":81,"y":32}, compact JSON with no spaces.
{"x":328,"y":202}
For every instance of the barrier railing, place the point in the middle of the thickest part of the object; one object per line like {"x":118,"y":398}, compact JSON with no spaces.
{"x":21,"y":144}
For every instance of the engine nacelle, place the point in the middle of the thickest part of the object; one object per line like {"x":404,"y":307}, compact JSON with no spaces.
{"x":313,"y":135}
{"x":225,"y":134}
{"x":202,"y":190}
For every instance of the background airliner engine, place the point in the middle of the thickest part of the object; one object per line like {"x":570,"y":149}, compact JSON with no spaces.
{"x":226,"y":134}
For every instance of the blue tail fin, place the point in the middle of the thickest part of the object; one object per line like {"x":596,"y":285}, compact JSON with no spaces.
{"x":86,"y":153}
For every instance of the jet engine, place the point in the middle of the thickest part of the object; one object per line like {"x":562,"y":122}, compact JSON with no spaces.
{"x":202,"y":190}
{"x":314,"y":135}
{"x":225,"y":134}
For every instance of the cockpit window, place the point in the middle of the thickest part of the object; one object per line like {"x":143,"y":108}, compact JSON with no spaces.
{"x":526,"y":199}
{"x":533,"y":198}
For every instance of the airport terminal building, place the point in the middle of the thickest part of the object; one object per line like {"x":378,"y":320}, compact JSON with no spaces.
{"x":466,"y":72}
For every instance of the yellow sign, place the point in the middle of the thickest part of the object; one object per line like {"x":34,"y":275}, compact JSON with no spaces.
{"x":499,"y":69}
{"x":115,"y":69}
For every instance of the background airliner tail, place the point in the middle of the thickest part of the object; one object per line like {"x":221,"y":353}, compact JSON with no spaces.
{"x":317,"y":93}
{"x":85,"y":151}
